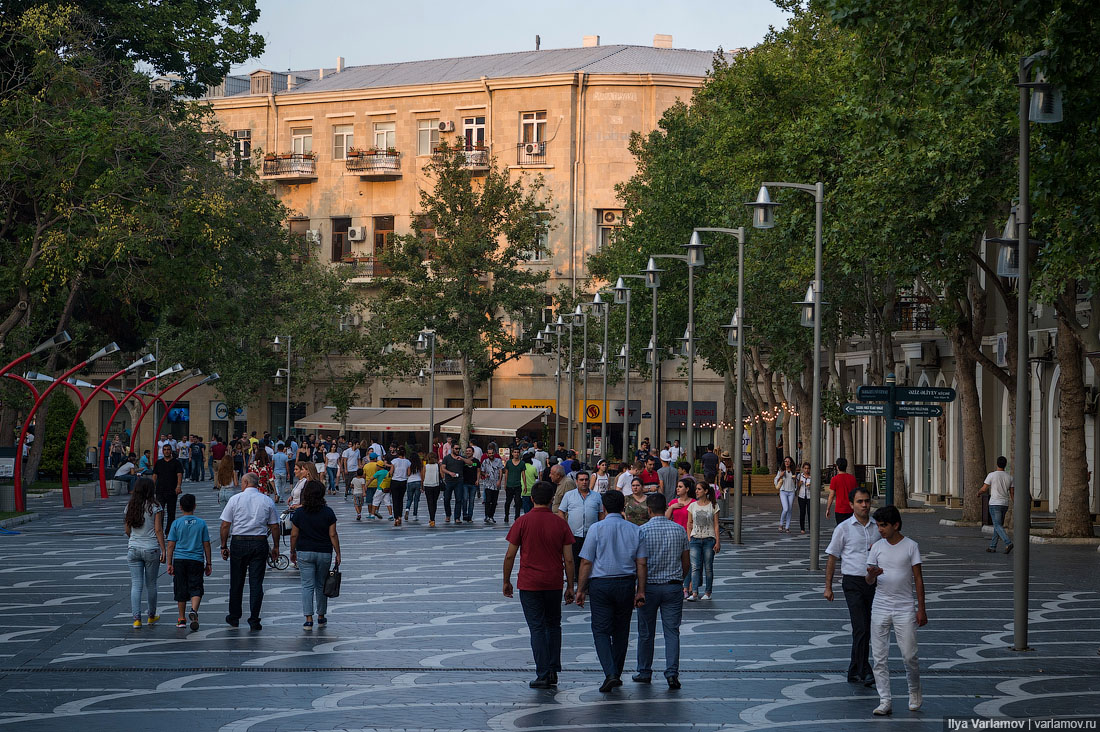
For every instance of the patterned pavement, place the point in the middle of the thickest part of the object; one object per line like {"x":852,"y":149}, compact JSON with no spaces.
{"x":421,"y":639}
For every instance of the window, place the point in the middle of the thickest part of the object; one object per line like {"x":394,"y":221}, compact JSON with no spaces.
{"x":427,"y":136}
{"x":242,"y":150}
{"x":383,"y":234}
{"x":343,"y":138}
{"x":533,"y":127}
{"x":384,"y":135}
{"x":457,"y":403}
{"x":609,"y":221}
{"x":341,"y":246}
{"x":426,"y":227}
{"x":299,"y":233}
{"x":402,"y":402}
{"x":547,"y":311}
{"x":301,"y":140}
{"x":473,"y":130}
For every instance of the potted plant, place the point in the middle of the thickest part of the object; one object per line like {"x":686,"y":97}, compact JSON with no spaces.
{"x":354,"y":152}
{"x":269,"y":156}
{"x":391,"y":150}
{"x":286,"y":156}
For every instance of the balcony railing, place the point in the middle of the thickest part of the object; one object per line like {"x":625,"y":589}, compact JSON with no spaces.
{"x":383,"y":165}
{"x":531,"y":153}
{"x":290,"y":166}
{"x":914,"y":313}
{"x":474,"y":160}
{"x":448,"y":366}
{"x":367,"y":267}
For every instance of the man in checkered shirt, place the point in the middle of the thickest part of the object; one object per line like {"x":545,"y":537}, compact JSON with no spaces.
{"x":666,"y":546}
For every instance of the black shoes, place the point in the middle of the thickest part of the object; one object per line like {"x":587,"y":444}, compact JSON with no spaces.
{"x":234,"y":622}
{"x":542,"y":682}
{"x":673,"y":683}
{"x":639,"y":679}
{"x":610,"y":683}
{"x":1008,"y":549}
{"x":255,"y":625}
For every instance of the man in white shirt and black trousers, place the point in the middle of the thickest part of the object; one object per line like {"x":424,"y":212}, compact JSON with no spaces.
{"x":248,"y":517}
{"x":852,"y":539}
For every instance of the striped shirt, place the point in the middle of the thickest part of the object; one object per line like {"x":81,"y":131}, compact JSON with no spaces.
{"x":665,"y":542}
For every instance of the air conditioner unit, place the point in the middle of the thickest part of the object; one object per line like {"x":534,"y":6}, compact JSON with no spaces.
{"x":314,"y":236}
{"x":1039,"y":345}
{"x":357,"y":233}
{"x":446,"y":126}
{"x":534,"y":148}
{"x":612,"y":218}
{"x":929,"y":354}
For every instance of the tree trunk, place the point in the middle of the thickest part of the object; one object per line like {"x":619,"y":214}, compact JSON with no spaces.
{"x":467,"y":403}
{"x":1072,"y":519}
{"x":973,"y":442}
{"x":848,"y":442}
{"x":900,"y":495}
{"x":729,"y":406}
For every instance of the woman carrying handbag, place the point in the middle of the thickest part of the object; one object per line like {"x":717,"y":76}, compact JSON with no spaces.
{"x":313,"y":544}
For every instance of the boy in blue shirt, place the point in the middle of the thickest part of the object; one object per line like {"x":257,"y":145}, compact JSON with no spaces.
{"x":188,"y":546}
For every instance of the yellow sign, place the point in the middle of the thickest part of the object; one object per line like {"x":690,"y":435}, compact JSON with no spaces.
{"x":594,"y":410}
{"x":533,"y":404}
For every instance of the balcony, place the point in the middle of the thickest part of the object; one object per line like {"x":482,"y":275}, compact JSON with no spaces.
{"x":366,"y":268}
{"x":531,"y":153}
{"x":475,"y":160}
{"x":290,"y":167}
{"x":915,"y":313}
{"x":374,"y":165}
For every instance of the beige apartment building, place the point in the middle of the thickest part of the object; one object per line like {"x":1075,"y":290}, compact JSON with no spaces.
{"x":345,"y":147}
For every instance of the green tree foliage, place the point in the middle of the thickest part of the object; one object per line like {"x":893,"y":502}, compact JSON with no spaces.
{"x":468,"y":283}
{"x":60,"y":416}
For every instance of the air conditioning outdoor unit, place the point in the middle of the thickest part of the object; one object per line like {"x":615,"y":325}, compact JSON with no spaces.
{"x":534,"y":148}
{"x":1039,"y":345}
{"x":357,"y":233}
{"x":612,"y":218}
{"x":314,"y":236}
{"x":446,"y":126}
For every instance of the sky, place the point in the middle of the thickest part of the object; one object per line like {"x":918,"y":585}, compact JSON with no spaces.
{"x":312,"y":34}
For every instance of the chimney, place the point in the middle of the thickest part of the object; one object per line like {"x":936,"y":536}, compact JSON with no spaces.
{"x":590,"y":41}
{"x":662,"y":40}
{"x":290,"y":79}
{"x":321,"y":73}
{"x":538,"y":42}
{"x":340,"y":59}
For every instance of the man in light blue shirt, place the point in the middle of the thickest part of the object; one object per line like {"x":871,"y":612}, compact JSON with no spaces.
{"x":582,"y":509}
{"x":279,"y":469}
{"x":613,"y":571}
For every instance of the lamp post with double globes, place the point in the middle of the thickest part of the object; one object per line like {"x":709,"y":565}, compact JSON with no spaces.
{"x":764,"y":218}
{"x":604,"y":309}
{"x":279,"y":340}
{"x":425,"y":343}
{"x":652,"y":275}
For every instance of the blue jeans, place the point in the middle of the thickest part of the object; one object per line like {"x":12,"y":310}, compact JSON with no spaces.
{"x":469,"y":493}
{"x":528,"y":504}
{"x":452,"y":488}
{"x":331,"y":473}
{"x":612,"y":603}
{"x":144,"y":568}
{"x":670,"y":599}
{"x":314,"y":567}
{"x":542,"y":611}
{"x":280,"y":485}
{"x":412,"y":498}
{"x":198,"y":470}
{"x":702,"y":564}
{"x":998,"y":515}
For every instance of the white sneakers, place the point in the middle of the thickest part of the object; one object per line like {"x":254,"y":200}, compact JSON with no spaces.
{"x":915,"y":701}
{"x":885,"y":709}
{"x":882,"y":710}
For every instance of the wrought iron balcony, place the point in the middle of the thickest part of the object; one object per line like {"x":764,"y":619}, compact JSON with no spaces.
{"x":475,"y":160}
{"x":531,"y":153}
{"x":367,"y":268}
{"x":290,"y":167}
{"x":378,"y":165}
{"x":915,"y":313}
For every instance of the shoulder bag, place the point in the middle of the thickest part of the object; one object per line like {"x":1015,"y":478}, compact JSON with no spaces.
{"x":332,"y":582}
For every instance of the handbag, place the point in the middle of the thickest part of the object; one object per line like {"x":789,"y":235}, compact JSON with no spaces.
{"x":332,"y":582}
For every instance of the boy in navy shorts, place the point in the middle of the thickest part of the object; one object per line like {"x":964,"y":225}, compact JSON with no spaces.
{"x":188,"y":546}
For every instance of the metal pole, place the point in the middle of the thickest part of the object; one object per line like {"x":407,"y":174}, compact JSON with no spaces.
{"x":584,"y":389}
{"x":572,"y":389}
{"x":431,"y":399}
{"x":286,"y":433}
{"x":557,"y":394}
{"x":604,"y":443}
{"x":1021,"y":532}
{"x":690,"y":447}
{"x":626,"y":384}
{"x":887,"y":418}
{"x":815,"y":431}
{"x":655,"y":424}
{"x":738,"y":416}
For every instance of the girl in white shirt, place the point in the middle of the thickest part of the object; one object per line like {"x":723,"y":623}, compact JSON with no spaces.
{"x":804,"y":480}
{"x":785,"y":481}
{"x":332,"y":468}
{"x":601,"y":479}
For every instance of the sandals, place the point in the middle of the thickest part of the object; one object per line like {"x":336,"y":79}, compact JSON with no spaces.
{"x":308,"y":625}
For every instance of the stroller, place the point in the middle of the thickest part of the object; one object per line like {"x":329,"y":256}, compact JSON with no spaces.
{"x":284,"y":559}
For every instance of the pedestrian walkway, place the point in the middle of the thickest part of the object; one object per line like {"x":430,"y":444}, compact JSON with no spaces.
{"x":421,"y":638}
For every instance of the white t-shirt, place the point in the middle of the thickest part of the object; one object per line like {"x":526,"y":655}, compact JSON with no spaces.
{"x":623,"y":483}
{"x":431,"y":475}
{"x":125,"y":469}
{"x":477,"y":453}
{"x":358,"y":486}
{"x":351,"y":458}
{"x":702,"y":520}
{"x":895,"y":585}
{"x":1000,"y":484}
{"x":600,"y":482}
{"x":673,"y":455}
{"x":400,"y":468}
{"x":377,"y":449}
{"x":332,"y":459}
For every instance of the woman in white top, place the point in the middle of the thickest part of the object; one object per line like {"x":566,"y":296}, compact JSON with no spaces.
{"x":145,"y":548}
{"x":703,"y":542}
{"x":601,"y":479}
{"x":785,"y":481}
{"x":804,"y":481}
{"x":332,"y":467}
{"x":432,"y":484}
{"x":304,"y":471}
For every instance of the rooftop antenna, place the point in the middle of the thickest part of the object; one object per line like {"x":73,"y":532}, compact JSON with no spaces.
{"x":538,"y":41}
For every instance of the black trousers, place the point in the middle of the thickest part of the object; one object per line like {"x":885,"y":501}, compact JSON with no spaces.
{"x":397,"y":495}
{"x":612,"y":604}
{"x":803,"y":512}
{"x":841,"y":517}
{"x":859,"y":595}
{"x":431,"y":493}
{"x":511,"y":495}
{"x":578,"y":542}
{"x":247,"y":554}
{"x":491,"y":497}
{"x":542,"y":611}
{"x":168,"y":500}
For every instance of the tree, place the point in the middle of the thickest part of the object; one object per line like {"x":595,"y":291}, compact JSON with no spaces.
{"x":61,"y":414}
{"x":467,"y":280}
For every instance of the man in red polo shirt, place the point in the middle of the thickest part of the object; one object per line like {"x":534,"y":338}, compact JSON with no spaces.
{"x":545,"y":540}
{"x":839,"y":489}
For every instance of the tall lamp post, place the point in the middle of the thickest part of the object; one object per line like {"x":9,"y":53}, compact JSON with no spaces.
{"x":764,"y":218}
{"x":622,"y":297}
{"x":693,"y":259}
{"x":425,"y":343}
{"x":580,"y":313}
{"x":279,"y":340}
{"x":604,"y":309}
{"x":1014,"y":259}
{"x":555,"y":331}
{"x":653,"y":281}
{"x":60,"y":339}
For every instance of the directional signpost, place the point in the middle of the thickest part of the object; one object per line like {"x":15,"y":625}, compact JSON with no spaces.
{"x":894,"y":413}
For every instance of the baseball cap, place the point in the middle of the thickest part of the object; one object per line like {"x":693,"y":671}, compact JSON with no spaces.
{"x":666,"y":456}
{"x":373,"y":456}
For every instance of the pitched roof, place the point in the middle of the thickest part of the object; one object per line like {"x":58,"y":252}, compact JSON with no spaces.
{"x":618,"y":59}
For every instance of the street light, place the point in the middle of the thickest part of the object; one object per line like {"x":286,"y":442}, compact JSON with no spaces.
{"x":622,"y":297}
{"x":425,"y":343}
{"x":556,"y":330}
{"x":763,"y":218}
{"x":605,"y":308}
{"x":579,"y":312}
{"x":653,"y":281}
{"x":279,"y":340}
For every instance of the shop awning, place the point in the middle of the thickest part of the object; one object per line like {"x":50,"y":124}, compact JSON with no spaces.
{"x":376,"y":419}
{"x":498,"y":422}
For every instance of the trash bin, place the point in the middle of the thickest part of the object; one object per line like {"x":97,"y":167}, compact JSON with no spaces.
{"x":7,"y":497}
{"x":76,"y":495}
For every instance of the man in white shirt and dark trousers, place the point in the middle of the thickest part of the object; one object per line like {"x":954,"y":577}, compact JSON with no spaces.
{"x":894,"y":565}
{"x":852,"y":539}
{"x":248,"y":517}
{"x":1001,"y":493}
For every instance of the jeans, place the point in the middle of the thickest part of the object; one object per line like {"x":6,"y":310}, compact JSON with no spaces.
{"x":144,"y":568}
{"x":280,"y":485}
{"x":612,"y":603}
{"x":431,"y":495}
{"x":803,"y":512}
{"x":998,"y":515}
{"x":129,"y":481}
{"x":528,"y":504}
{"x":412,"y":497}
{"x":469,"y":492}
{"x":198,"y":470}
{"x":702,"y":564}
{"x":491,"y":497}
{"x":247,"y":554}
{"x":859,"y":596}
{"x":331,"y":473}
{"x":511,"y":495}
{"x":368,"y":498}
{"x":787,"y":499}
{"x":314,"y":567}
{"x":670,"y":599}
{"x":542,"y":610}
{"x":904,"y":624}
{"x":452,"y":488}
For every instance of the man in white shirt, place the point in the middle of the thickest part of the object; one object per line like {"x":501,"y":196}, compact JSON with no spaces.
{"x":248,"y":517}
{"x":349,"y":463}
{"x":1001,"y":493}
{"x":541,"y":456}
{"x":852,"y":539}
{"x":127,"y":472}
{"x":478,"y":452}
{"x":894,"y":566}
{"x":627,"y":474}
{"x":674,"y":452}
{"x":376,"y":449}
